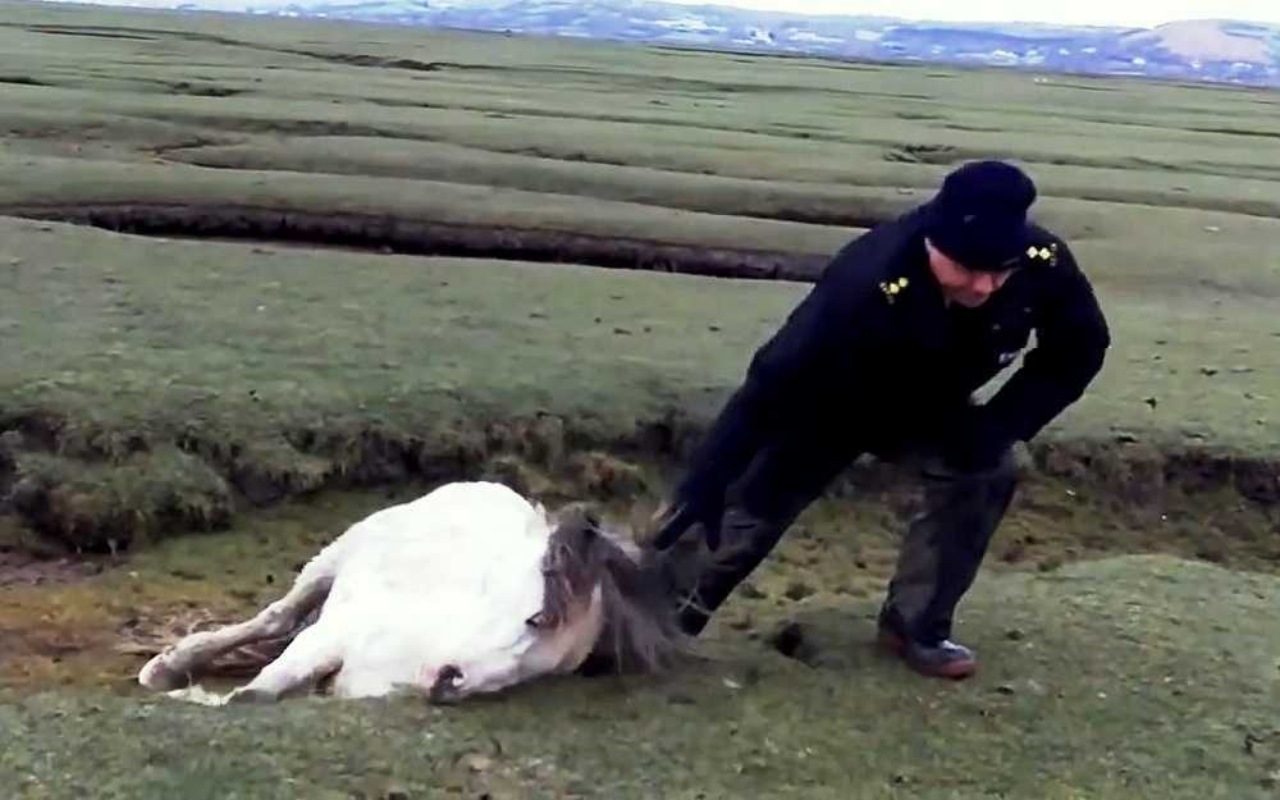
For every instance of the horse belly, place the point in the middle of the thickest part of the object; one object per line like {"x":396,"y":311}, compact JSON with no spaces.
{"x":389,"y":646}
{"x":450,"y":579}
{"x":378,"y":668}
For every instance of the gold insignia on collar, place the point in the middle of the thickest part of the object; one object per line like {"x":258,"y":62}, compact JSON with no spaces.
{"x":1047,"y":254}
{"x":892,"y":288}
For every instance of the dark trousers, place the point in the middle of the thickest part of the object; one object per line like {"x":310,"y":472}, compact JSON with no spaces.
{"x":942,"y":550}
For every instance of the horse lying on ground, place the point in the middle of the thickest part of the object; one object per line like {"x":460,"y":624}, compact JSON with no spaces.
{"x":466,"y":590}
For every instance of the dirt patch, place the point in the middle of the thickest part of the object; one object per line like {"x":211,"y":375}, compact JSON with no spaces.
{"x":360,"y":60}
{"x":25,"y":645}
{"x":390,"y":234}
{"x":144,"y":638}
{"x":26,"y":569}
{"x":97,"y":630}
{"x":924,"y":154}
{"x":750,"y":722}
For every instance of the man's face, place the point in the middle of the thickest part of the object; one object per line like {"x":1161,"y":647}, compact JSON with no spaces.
{"x":968,"y":287}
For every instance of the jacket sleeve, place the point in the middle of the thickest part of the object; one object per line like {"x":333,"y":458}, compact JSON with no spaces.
{"x":1072,"y":338}
{"x":783,"y":374}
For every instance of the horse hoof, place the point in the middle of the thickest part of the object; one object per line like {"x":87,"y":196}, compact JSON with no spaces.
{"x":156,"y":675}
{"x":447,"y":684}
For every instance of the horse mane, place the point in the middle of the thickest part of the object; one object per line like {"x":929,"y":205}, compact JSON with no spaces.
{"x":641,"y":630}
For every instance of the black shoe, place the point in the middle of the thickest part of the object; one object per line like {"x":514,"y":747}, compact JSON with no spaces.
{"x":945,"y":659}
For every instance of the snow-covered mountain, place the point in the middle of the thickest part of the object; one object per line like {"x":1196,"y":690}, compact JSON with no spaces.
{"x":1213,"y":50}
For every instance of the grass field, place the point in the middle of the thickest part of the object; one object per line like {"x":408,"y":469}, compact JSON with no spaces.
{"x":326,"y":261}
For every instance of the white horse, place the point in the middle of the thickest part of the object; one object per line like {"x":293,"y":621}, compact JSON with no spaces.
{"x":466,"y":590}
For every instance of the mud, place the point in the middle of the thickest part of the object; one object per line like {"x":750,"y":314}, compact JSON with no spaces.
{"x":26,"y":569}
{"x":746,"y":721}
{"x":391,"y":234}
{"x":95,"y":626}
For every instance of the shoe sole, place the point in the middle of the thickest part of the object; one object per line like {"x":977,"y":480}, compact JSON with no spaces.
{"x":956,"y":670}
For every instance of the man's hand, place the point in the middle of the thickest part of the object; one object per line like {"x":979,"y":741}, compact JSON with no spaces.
{"x":673,"y":521}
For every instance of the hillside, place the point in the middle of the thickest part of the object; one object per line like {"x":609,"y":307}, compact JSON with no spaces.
{"x":1209,"y":50}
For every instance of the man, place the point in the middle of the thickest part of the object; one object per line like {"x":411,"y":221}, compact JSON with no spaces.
{"x":884,"y":356}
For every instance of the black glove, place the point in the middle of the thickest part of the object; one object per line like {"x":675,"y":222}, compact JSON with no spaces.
{"x":685,"y":514}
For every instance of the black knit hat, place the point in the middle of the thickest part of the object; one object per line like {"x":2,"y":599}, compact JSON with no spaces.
{"x":979,"y":216}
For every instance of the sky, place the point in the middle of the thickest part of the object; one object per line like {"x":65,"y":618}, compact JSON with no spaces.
{"x":1075,"y":12}
{"x":1133,"y":13}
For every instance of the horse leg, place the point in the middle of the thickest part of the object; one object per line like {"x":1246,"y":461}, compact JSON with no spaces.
{"x":311,"y":656}
{"x":173,"y":667}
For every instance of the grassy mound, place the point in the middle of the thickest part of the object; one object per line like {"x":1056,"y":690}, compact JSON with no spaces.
{"x":83,"y":623}
{"x":154,"y":387}
{"x":189,"y":378}
{"x":1129,"y":677}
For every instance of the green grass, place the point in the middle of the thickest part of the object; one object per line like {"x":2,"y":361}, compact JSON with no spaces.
{"x":110,"y":184}
{"x":1136,"y":677}
{"x":152,"y":389}
{"x":220,"y":123}
{"x":247,"y":355}
{"x":1114,"y":676}
{"x":295,"y":339}
{"x":427,"y":347}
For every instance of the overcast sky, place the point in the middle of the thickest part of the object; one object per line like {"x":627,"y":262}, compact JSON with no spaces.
{"x":1139,"y":13}
{"x":1081,"y":12}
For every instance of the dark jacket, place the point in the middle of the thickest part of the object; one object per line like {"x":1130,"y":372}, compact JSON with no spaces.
{"x":860,"y":365}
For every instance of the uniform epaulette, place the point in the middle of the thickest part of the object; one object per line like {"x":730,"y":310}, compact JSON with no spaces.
{"x":892,"y":288}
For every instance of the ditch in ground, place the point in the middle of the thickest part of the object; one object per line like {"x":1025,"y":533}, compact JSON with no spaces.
{"x":1123,"y":620}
